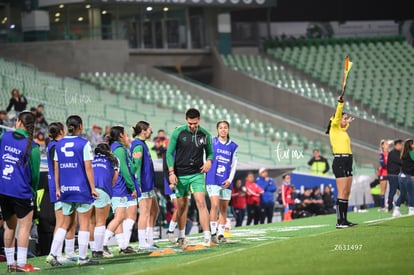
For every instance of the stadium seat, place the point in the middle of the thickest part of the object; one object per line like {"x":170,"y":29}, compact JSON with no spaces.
{"x":377,"y":61}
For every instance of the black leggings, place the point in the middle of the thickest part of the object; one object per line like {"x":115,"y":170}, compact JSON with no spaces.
{"x":266,"y":211}
{"x":253,"y":214}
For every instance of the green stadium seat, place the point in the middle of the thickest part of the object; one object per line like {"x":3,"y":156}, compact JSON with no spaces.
{"x":377,"y":61}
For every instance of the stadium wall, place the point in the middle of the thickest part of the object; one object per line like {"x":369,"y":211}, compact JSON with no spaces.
{"x":139,"y":59}
{"x":69,"y":58}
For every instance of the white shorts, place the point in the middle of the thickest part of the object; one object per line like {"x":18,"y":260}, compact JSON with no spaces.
{"x":215,"y":190}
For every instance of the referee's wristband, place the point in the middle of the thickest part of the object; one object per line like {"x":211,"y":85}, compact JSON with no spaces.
{"x":171,"y":173}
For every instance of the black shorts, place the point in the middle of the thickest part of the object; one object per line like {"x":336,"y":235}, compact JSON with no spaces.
{"x":342,"y":166}
{"x":13,"y":206}
{"x":383,"y":178}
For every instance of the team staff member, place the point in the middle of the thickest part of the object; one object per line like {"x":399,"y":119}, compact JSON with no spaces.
{"x":383,"y":172}
{"x":57,"y":132}
{"x":238,"y":201}
{"x":318,"y":164}
{"x":20,"y":168}
{"x":253,"y":191}
{"x":143,"y":169}
{"x":74,"y":187}
{"x":342,"y":163}
{"x":219,"y":179}
{"x":288,"y":199}
{"x":189,"y":142}
{"x":267,"y":199}
{"x":393,"y":169}
{"x":405,"y":179}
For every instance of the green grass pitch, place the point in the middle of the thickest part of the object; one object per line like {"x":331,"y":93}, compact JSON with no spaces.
{"x":378,"y":245}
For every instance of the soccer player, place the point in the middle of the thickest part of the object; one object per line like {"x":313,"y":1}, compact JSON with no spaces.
{"x":105,"y":169}
{"x":143,"y":169}
{"x":124,"y":186}
{"x":20,"y":168}
{"x":219,"y":179}
{"x":74,"y":187}
{"x":342,"y":163}
{"x":190,"y":142}
{"x":57,"y":132}
{"x":173,"y":222}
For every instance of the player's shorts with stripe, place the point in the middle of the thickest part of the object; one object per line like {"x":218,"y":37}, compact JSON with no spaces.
{"x":102,"y":200}
{"x":132,"y":202}
{"x":216,"y":190}
{"x":147,"y":195}
{"x":58,"y":205}
{"x":195,"y":183}
{"x":69,"y":207}
{"x":119,"y":202}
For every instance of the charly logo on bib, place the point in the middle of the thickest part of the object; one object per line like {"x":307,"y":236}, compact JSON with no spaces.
{"x":8,"y":169}
{"x":221,"y":169}
{"x":64,"y":150}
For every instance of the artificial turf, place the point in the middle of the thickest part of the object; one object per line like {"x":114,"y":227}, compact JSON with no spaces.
{"x":378,"y":245}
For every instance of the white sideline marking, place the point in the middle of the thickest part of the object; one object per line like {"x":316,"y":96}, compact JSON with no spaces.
{"x":223,"y":254}
{"x":385,"y":219}
{"x":270,"y":241}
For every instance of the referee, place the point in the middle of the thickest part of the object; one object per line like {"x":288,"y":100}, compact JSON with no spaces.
{"x":342,"y":163}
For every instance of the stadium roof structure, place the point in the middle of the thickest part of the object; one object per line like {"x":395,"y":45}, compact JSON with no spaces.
{"x":245,"y":3}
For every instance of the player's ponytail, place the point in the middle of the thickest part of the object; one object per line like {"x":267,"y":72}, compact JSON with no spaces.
{"x":73,"y":123}
{"x":139,"y":127}
{"x":406,"y":148}
{"x":54,"y":129}
{"x":28,"y":120}
{"x":328,"y":128}
{"x":105,"y":150}
{"x":115,"y":134}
